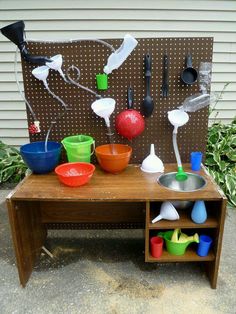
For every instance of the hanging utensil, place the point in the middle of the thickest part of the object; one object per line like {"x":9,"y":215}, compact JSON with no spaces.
{"x":189,"y":75}
{"x":148,"y":104}
{"x":129,"y":123}
{"x":165,"y":85}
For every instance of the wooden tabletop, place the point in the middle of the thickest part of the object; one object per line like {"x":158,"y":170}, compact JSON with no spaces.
{"x":130,"y":185}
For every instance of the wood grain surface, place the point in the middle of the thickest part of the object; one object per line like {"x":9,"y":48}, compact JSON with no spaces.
{"x":130,"y":185}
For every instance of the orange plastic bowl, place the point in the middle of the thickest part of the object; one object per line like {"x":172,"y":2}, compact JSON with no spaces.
{"x":75,"y":173}
{"x":113,"y":162}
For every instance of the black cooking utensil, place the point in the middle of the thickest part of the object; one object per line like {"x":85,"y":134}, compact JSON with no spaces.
{"x":147,"y":105}
{"x":165,"y":85}
{"x":189,"y":74}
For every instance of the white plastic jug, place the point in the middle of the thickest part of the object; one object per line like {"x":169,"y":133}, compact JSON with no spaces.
{"x":120,"y":55}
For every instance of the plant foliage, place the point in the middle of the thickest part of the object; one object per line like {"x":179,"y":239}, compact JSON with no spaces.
{"x":12,"y":166}
{"x":221,"y":157}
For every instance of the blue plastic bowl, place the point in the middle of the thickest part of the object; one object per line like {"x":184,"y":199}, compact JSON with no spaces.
{"x":37,"y":159}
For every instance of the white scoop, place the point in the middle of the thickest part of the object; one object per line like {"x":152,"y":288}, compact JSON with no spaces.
{"x":152,"y":163}
{"x":103,"y":108}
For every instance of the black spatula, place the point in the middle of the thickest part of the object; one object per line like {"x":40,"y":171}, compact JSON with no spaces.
{"x":148,"y":104}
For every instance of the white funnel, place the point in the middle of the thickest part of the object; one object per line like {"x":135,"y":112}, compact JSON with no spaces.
{"x":177,"y":118}
{"x":152,"y":163}
{"x":103,"y":108}
{"x":56,"y":64}
{"x":167,"y":211}
{"x":41,"y":73}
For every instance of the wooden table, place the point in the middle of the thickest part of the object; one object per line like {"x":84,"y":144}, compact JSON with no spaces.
{"x":127,"y":200}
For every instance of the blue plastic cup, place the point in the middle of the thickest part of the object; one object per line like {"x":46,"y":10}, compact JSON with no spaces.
{"x":196,"y":160}
{"x":37,"y":159}
{"x":204,"y":245}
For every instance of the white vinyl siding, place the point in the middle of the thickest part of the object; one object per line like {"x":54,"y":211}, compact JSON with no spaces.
{"x":68,"y":19}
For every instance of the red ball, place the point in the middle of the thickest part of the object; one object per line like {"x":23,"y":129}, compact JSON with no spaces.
{"x":129,"y":123}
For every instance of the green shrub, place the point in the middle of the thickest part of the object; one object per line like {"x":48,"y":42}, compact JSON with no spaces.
{"x":221,"y":157}
{"x":12,"y":166}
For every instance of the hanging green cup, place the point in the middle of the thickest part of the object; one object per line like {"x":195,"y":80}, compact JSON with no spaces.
{"x":102,"y":81}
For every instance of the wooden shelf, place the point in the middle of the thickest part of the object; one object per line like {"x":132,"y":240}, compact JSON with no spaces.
{"x":189,"y":256}
{"x":184,"y":222}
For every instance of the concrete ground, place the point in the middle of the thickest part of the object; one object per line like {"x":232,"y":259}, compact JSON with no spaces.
{"x":104,"y":272}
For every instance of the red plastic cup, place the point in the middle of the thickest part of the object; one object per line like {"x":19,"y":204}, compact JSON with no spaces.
{"x":156,"y":246}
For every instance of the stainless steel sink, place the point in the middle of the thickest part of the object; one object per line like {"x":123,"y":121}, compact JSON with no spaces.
{"x":194,"y":182}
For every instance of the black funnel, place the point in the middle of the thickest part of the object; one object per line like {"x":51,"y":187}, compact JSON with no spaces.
{"x":15,"y":32}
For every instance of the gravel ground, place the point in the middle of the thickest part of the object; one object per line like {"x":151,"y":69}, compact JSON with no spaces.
{"x":104,"y":272}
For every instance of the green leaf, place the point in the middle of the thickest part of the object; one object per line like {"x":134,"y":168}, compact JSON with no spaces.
{"x":223,"y":165}
{"x":224,"y":145}
{"x":233,"y":200}
{"x":216,"y":157}
{"x":214,"y":137}
{"x":232,"y":141}
{"x":210,"y":160}
{"x":230,"y":182}
{"x":231,"y":155}
{"x":12,"y":166}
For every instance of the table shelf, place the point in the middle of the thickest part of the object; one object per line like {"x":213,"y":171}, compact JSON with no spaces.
{"x":189,"y":256}
{"x":184,"y":222}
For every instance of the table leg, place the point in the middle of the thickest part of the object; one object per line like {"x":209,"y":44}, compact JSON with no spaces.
{"x":28,"y":235}
{"x":212,"y":267}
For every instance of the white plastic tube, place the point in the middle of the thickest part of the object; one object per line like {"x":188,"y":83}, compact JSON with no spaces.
{"x":19,"y":89}
{"x":176,"y":150}
{"x":73,"y":67}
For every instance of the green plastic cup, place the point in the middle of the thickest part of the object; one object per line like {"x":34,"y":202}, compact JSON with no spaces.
{"x":102,"y":81}
{"x":78,"y":147}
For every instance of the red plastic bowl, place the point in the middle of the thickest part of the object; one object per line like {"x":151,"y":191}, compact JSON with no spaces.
{"x":75,"y":173}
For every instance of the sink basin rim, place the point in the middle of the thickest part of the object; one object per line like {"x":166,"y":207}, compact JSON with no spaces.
{"x":182,"y":191}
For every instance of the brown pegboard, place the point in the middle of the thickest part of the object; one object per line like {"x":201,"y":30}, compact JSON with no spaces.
{"x":90,"y":57}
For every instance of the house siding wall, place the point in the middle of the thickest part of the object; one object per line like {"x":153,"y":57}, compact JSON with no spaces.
{"x":70,"y":19}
